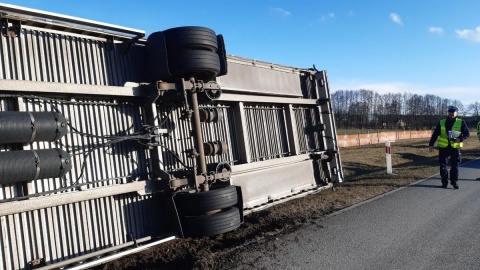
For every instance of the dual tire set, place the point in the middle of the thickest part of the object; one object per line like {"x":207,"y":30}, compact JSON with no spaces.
{"x":185,"y":52}
{"x":208,"y":213}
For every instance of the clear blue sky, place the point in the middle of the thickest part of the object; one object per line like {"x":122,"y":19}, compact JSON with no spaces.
{"x":414,"y":46}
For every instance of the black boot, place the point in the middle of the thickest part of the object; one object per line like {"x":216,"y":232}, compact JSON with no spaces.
{"x":444,"y":183}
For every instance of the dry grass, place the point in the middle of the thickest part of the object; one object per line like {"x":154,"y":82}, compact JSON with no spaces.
{"x":365,"y":174}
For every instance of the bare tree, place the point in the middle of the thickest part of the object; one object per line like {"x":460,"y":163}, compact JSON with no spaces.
{"x":474,"y":110}
{"x":367,"y":109}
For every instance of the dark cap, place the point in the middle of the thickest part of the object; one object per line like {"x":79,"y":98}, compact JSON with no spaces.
{"x":452,"y":109}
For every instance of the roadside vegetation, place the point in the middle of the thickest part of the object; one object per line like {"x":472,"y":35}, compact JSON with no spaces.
{"x":367,"y":109}
{"x":364,"y":169}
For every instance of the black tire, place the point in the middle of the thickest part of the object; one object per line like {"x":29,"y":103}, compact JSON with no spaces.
{"x":201,"y":202}
{"x":222,"y":54}
{"x":191,"y":37}
{"x":203,"y":65}
{"x":156,"y":56}
{"x":208,"y":225}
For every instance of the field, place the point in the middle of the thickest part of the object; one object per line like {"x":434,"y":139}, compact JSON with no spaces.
{"x":365,"y":172}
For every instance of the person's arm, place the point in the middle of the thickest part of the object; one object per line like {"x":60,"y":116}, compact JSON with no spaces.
{"x":465,"y":132}
{"x":434,"y":137}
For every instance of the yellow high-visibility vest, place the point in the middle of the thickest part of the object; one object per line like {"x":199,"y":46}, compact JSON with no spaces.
{"x":443,"y":138}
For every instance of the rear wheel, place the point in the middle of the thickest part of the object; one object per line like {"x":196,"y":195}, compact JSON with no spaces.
{"x":207,"y":225}
{"x":191,"y":37}
{"x":203,"y":65}
{"x":223,"y":55}
{"x":200,"y":202}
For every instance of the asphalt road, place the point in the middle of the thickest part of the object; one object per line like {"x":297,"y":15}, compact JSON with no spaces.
{"x":422,"y":226}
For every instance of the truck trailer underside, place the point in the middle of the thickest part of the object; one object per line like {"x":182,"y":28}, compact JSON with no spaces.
{"x":110,"y":139}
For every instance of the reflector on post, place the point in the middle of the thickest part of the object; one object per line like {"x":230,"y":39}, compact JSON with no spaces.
{"x":388,"y":152}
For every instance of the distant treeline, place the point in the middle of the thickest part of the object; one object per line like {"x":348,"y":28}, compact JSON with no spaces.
{"x":359,"y":109}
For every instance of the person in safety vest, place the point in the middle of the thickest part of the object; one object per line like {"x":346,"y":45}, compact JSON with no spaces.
{"x":451,"y":132}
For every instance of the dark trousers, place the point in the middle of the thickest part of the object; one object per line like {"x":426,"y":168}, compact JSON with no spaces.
{"x":455,"y":158}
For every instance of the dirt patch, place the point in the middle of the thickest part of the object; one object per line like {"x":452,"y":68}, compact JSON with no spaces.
{"x":365,"y":174}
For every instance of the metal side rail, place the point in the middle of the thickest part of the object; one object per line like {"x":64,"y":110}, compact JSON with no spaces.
{"x":288,"y":198}
{"x":106,"y":255}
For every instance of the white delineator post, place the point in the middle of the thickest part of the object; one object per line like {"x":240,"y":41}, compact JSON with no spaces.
{"x":388,"y":152}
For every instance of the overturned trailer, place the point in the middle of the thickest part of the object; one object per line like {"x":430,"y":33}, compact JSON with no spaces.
{"x":111,"y":140}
